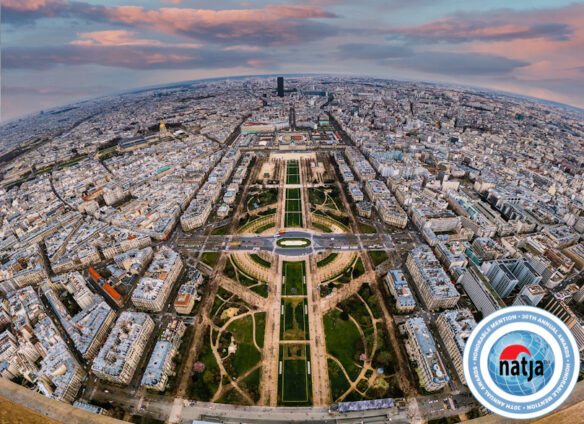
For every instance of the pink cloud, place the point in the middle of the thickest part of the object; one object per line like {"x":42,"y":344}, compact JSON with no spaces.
{"x":274,"y":24}
{"x":31,"y":5}
{"x":122,"y":38}
{"x":498,"y":25}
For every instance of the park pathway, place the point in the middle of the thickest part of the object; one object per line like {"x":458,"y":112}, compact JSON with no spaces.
{"x":269,"y":380}
{"x":321,"y":391}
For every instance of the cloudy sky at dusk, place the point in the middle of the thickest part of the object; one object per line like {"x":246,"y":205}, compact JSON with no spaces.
{"x":58,"y":51}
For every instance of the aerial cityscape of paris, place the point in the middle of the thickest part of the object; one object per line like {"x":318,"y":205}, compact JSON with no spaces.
{"x":301,"y":212}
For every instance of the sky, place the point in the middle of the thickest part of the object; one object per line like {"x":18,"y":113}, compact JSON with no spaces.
{"x":55,"y":52}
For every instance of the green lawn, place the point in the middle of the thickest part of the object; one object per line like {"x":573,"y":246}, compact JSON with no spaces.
{"x":358,"y":270}
{"x":257,"y":259}
{"x":343,"y":341}
{"x":293,"y":282}
{"x":262,"y":198}
{"x":378,"y":256}
{"x":293,"y":208}
{"x":220,"y":231}
{"x":293,"y":219}
{"x":252,"y":382}
{"x":293,"y":205}
{"x":322,"y":227}
{"x":366,"y":229}
{"x":260,"y":322}
{"x":293,"y":179}
{"x":264,"y":227}
{"x":294,"y":382}
{"x":292,"y":193}
{"x":316,"y":196}
{"x":210,"y":258}
{"x":292,"y":172}
{"x":246,"y":355}
{"x":261,"y":289}
{"x":294,"y":320}
{"x":203,"y":385}
{"x":338,"y":381}
{"x":327,"y":260}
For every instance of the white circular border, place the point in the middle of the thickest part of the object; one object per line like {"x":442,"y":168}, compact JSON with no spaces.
{"x":519,"y":309}
{"x":533,"y":328}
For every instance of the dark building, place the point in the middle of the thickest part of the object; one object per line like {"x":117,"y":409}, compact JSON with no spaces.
{"x":280,"y":86}
{"x":292,"y":118}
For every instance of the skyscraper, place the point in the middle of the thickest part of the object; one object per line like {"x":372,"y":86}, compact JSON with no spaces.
{"x":292,"y":118}
{"x":280,"y":86}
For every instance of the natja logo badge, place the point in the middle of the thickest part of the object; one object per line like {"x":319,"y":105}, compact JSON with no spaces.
{"x":521,"y":362}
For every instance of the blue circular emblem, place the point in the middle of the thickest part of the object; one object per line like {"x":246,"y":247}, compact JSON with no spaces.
{"x":521,"y":362}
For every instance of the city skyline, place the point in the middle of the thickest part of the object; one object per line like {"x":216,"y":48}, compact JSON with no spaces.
{"x":56,"y":52}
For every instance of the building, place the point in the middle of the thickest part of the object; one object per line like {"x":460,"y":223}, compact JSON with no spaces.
{"x":88,"y":328}
{"x":455,"y":328}
{"x":376,"y":189}
{"x":432,"y":283}
{"x":121,"y":353}
{"x":423,"y":350}
{"x":187,"y":294}
{"x":355,"y":191}
{"x":160,"y":366}
{"x":486,"y":249}
{"x":90,"y":408}
{"x":400,"y":290}
{"x":504,"y":275}
{"x":196,"y":214}
{"x":576,"y":253}
{"x":280,"y":89}
{"x":563,"y":312}
{"x":364,"y":209}
{"x":530,"y":295}
{"x":452,"y":254}
{"x":479,"y":290}
{"x":391,"y":212}
{"x":155,"y":286}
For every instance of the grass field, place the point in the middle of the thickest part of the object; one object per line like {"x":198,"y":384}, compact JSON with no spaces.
{"x":246,"y":355}
{"x":220,"y":231}
{"x":292,"y":172}
{"x":378,"y":256}
{"x":260,"y":323}
{"x":265,"y":227}
{"x":366,"y":229}
{"x":293,"y":208}
{"x":210,"y":258}
{"x":261,"y":198}
{"x":294,"y":319}
{"x":338,"y":381}
{"x":327,"y":260}
{"x":260,"y":261}
{"x":203,"y":386}
{"x":293,"y":219}
{"x":343,"y":340}
{"x":293,"y":280}
{"x":294,"y":383}
{"x":322,"y":227}
{"x":261,"y":289}
{"x":293,"y":205}
{"x":292,"y":193}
